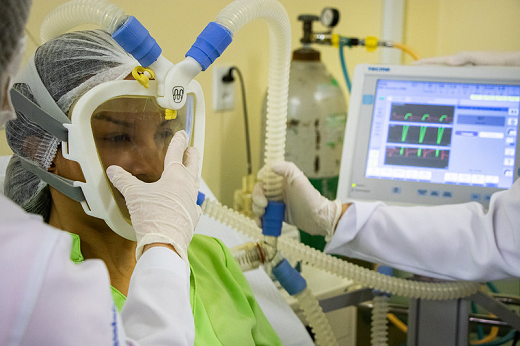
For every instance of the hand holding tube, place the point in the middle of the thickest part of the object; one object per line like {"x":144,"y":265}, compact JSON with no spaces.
{"x":306,"y":208}
{"x":475,"y":58}
{"x":164,"y":211}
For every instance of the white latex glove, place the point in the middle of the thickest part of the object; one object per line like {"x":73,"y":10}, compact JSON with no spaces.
{"x":474,"y":58}
{"x":165,"y":211}
{"x":305,"y":207}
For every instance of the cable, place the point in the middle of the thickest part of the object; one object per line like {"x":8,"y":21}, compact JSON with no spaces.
{"x":344,"y":66}
{"x":229,"y":78}
{"x":492,"y":287}
{"x":500,"y":341}
{"x":480,"y":328}
{"x":492,"y":336}
{"x":515,"y":340}
{"x":489,"y":338}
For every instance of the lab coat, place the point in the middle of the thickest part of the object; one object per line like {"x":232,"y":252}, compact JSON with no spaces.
{"x":458,"y":242}
{"x":45,"y":299}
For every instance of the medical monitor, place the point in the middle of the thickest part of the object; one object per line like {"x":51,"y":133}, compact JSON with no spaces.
{"x":431,"y":134}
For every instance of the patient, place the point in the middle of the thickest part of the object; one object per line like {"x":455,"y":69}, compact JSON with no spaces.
{"x":224,"y":308}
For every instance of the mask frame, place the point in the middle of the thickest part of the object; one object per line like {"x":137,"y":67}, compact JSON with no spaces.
{"x":99,"y":201}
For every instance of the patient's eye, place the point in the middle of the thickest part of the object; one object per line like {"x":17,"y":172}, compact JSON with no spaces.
{"x":165,"y":133}
{"x":120,"y":138}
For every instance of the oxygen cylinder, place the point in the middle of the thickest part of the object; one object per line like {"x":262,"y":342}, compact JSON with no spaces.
{"x":316,"y":119}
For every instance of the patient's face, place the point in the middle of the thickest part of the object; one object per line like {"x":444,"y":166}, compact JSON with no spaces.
{"x":133,"y":133}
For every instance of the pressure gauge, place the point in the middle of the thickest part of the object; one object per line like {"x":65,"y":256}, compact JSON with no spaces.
{"x":329,"y":17}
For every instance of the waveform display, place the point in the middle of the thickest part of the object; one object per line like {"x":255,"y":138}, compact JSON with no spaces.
{"x":417,"y":157}
{"x":425,"y":135}
{"x":422,"y":113}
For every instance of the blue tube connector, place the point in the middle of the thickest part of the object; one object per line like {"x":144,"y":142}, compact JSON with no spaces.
{"x":136,"y":40}
{"x":200,"y":198}
{"x":385,"y":270}
{"x":273,"y":219}
{"x":210,"y":44}
{"x":290,"y":279}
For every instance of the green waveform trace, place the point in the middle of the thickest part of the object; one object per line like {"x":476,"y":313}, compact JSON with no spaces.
{"x":405,"y":132}
{"x":422,"y":133}
{"x":440,"y":132}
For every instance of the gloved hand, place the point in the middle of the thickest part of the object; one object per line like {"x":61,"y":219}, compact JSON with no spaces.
{"x":475,"y":58}
{"x":165,"y":211}
{"x":305,"y":207}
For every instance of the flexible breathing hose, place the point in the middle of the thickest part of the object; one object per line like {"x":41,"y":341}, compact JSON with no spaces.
{"x":297,"y":251}
{"x":379,"y":332}
{"x":234,"y":17}
{"x":312,"y":311}
{"x":78,"y":12}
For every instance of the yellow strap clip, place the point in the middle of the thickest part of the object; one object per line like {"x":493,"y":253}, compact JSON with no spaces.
{"x":170,"y":114}
{"x":143,"y":75}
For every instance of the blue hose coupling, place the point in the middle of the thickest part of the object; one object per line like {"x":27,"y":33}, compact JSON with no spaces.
{"x":290,"y":279}
{"x":272,"y":220}
{"x":200,"y":198}
{"x":210,"y":44}
{"x":385,"y":270}
{"x":133,"y":37}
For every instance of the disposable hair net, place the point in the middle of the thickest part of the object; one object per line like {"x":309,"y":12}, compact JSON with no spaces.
{"x":68,"y":66}
{"x":13,"y":17}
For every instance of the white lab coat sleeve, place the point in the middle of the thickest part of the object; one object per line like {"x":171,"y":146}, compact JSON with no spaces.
{"x":74,"y":305}
{"x":46,"y":299}
{"x":458,"y":242}
{"x":157,"y":309}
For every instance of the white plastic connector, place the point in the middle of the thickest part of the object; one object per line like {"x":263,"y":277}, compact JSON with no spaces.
{"x":223,"y":92}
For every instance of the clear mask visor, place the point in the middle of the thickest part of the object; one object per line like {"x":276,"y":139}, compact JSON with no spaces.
{"x":134,"y":132}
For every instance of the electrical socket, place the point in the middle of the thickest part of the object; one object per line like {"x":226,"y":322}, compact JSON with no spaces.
{"x":223,"y":92}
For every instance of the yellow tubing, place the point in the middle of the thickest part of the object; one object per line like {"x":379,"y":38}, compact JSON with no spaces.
{"x":407,"y":50}
{"x":490,"y":337}
{"x":398,"y":323}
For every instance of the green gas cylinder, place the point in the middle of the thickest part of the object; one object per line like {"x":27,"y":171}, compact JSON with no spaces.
{"x":316,"y":118}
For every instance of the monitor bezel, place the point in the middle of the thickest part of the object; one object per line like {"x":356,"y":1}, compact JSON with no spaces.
{"x":357,"y":136}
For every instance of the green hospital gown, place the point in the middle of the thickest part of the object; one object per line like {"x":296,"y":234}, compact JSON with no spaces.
{"x":224,"y":307}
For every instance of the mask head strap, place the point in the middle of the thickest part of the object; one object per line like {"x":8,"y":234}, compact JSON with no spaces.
{"x":64,"y":185}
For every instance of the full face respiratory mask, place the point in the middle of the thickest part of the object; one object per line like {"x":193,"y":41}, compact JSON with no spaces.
{"x":115,"y":118}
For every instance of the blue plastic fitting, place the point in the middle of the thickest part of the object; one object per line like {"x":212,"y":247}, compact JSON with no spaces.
{"x":290,"y":279}
{"x":200,"y":198}
{"x":210,"y":44}
{"x":386,"y":270}
{"x":136,"y":40}
{"x":273,"y":219}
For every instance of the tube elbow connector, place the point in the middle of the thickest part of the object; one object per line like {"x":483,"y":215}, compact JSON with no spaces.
{"x":210,"y":44}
